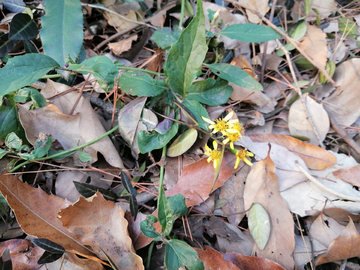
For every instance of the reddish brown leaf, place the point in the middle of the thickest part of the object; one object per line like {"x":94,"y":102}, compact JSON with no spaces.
{"x":101,"y":224}
{"x":251,"y":263}
{"x":24,"y":255}
{"x":196,"y":179}
{"x":213,"y":260}
{"x":315,"y":157}
{"x":37,"y":212}
{"x":350,"y":175}
{"x":262,"y":186}
{"x":343,"y":247}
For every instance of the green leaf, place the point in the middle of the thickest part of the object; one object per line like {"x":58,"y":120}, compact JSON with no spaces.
{"x":42,"y":146}
{"x":347,"y":27}
{"x":101,"y":67}
{"x":8,"y":118}
{"x":198,"y":111}
{"x":6,"y":45}
{"x":24,"y":70}
{"x":28,"y":93}
{"x":165,"y":213}
{"x":210,"y":92}
{"x":150,"y":141}
{"x":165,"y":37}
{"x":235,"y":75}
{"x":250,"y":32}
{"x":13,"y":141}
{"x":22,"y":27}
{"x":84,"y":157}
{"x":182,"y":143}
{"x":15,"y":6}
{"x":138,"y":83}
{"x":259,"y":225}
{"x":2,"y":154}
{"x":187,"y":54}
{"x":179,"y":254}
{"x":177,"y":204}
{"x":48,"y":257}
{"x":62,"y":30}
{"x":147,"y":228}
{"x":48,"y":245}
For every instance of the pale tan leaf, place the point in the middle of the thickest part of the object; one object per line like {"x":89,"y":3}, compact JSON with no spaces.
{"x":37,"y":212}
{"x":324,"y":7}
{"x":343,"y":247}
{"x":314,"y":45}
{"x":101,"y":224}
{"x":350,"y":175}
{"x":309,"y":120}
{"x":262,"y":187}
{"x":314,"y":157}
{"x":261,"y":6}
{"x":123,"y":45}
{"x":343,"y":104}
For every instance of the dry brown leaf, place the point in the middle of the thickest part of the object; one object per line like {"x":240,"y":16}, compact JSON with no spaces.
{"x":325,"y":229}
{"x":123,"y":45}
{"x":233,"y":191}
{"x":72,"y":262}
{"x":324,"y":7}
{"x":314,"y":157}
{"x":37,"y":212}
{"x":308,"y":118}
{"x":196,"y":179}
{"x":343,"y":104}
{"x":343,"y":247}
{"x":70,"y":130}
{"x":262,"y":187}
{"x":242,"y":63}
{"x":260,"y":6}
{"x":125,"y":9}
{"x":213,"y":260}
{"x":101,"y":224}
{"x":341,"y":215}
{"x":24,"y":255}
{"x":251,"y":263}
{"x":314,"y":45}
{"x":350,"y":175}
{"x":287,"y":172}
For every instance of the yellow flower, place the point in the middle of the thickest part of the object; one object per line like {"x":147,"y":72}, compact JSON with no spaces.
{"x":213,"y":154}
{"x":222,"y":124}
{"x":238,"y":127}
{"x":232,"y":137}
{"x":242,"y":155}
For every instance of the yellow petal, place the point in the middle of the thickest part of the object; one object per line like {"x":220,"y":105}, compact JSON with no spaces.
{"x":215,"y":163}
{"x":209,"y":159}
{"x":215,"y":144}
{"x":207,"y":120}
{"x":249,"y":154}
{"x":226,"y":141}
{"x":247,"y":162}
{"x":237,"y":163}
{"x":207,"y":148}
{"x":228,"y":117}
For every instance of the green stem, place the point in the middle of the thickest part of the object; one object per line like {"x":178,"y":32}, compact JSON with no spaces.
{"x":182,"y":13}
{"x":66,"y":151}
{"x":148,"y":261}
{"x":143,"y":70}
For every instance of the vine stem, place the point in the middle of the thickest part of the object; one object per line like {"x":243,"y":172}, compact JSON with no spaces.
{"x":66,"y":151}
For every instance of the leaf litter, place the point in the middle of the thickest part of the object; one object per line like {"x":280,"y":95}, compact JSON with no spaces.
{"x":306,"y":158}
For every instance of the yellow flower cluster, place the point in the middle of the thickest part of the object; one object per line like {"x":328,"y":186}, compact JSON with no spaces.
{"x":231,"y":132}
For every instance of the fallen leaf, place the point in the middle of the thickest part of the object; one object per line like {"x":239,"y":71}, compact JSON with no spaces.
{"x":314,"y":157}
{"x":123,"y":45}
{"x":213,"y":260}
{"x":37,"y":212}
{"x":71,"y":130}
{"x":349,"y":175}
{"x":251,"y":263}
{"x":314,"y":45}
{"x":101,"y":224}
{"x":324,"y":7}
{"x":233,"y":192}
{"x":342,"y":104}
{"x":72,"y":262}
{"x":196,"y":179}
{"x":125,"y":9}
{"x":24,"y":255}
{"x":262,"y":186}
{"x":343,"y":247}
{"x":325,"y":229}
{"x":308,"y":118}
{"x":260,"y":6}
